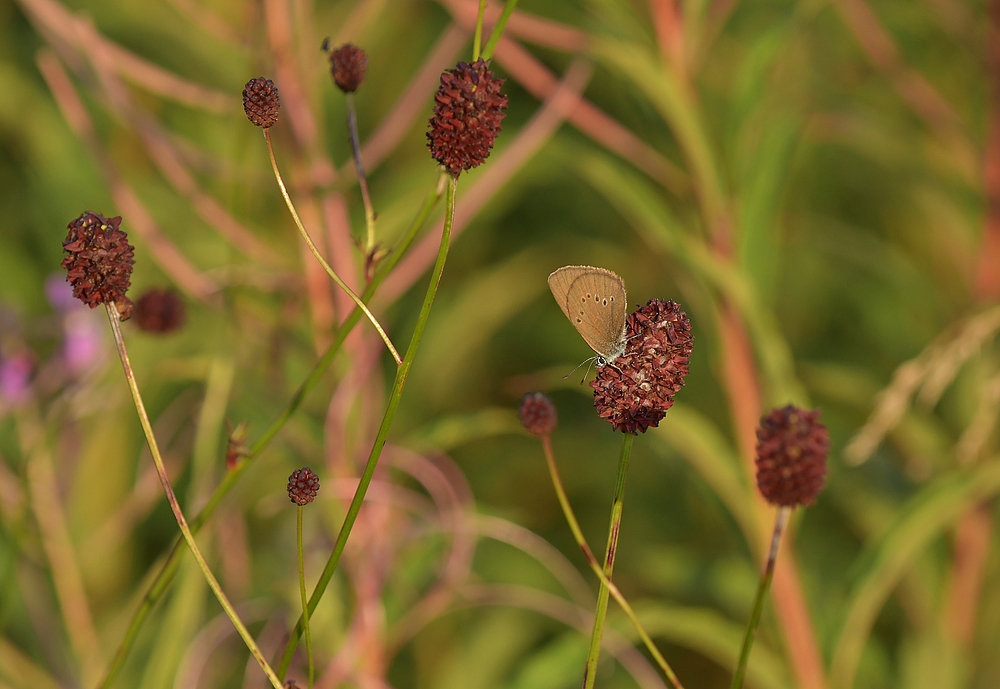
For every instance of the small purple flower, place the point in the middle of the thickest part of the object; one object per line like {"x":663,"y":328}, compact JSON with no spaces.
{"x":15,"y":378}
{"x":83,"y":346}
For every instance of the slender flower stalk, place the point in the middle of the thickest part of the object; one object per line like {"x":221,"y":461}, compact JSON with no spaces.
{"x":114,"y":318}
{"x":302,"y":487}
{"x":574,"y":526}
{"x":170,"y":566}
{"x":302,"y":593}
{"x":792,"y":447}
{"x":477,"y":40}
{"x":319,"y":257}
{"x":383,"y":432}
{"x":498,"y":29}
{"x":352,"y":127}
{"x":590,"y":673}
{"x":780,"y":521}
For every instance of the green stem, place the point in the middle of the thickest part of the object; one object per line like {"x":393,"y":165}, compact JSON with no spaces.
{"x":352,"y":127}
{"x":302,"y":592}
{"x":319,"y":257}
{"x":574,"y":526}
{"x":390,"y":412}
{"x":477,"y":40}
{"x":167,"y":572}
{"x":491,"y":44}
{"x":175,"y":507}
{"x":590,"y":674}
{"x":780,"y":520}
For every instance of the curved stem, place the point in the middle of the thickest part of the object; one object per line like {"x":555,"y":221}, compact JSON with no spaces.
{"x":302,"y":592}
{"x":383,"y":432}
{"x":574,"y":526}
{"x":780,"y":520}
{"x":352,"y":128}
{"x":167,"y":572}
{"x":175,"y":507}
{"x":590,"y":673}
{"x":319,"y":257}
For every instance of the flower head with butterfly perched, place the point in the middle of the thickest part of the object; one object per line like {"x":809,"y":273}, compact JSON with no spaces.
{"x":642,"y":358}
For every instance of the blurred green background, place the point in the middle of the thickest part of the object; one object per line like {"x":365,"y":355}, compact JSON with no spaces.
{"x":811,"y":181}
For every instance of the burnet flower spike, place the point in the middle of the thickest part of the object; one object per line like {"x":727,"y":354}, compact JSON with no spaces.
{"x":98,"y":265}
{"x":303,"y":485}
{"x":348,"y":65}
{"x":792,"y":447}
{"x":99,"y":261}
{"x":468,"y":110}
{"x":634,"y":392}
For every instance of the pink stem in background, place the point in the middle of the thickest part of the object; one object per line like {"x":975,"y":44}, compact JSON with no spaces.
{"x":54,"y":20}
{"x":163,"y":251}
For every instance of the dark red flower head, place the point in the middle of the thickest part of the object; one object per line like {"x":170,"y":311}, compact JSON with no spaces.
{"x":468,"y":109}
{"x":538,"y":414}
{"x":159,"y":311}
{"x":635,"y":391}
{"x":261,"y":102}
{"x":98,"y":259}
{"x":792,"y":446}
{"x":303,"y":485}
{"x":347,"y":65}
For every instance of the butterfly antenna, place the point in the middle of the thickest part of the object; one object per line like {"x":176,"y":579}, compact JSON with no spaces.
{"x":591,"y":359}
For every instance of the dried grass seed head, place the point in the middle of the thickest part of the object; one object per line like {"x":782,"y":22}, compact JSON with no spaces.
{"x":98,"y":259}
{"x":348,"y":65}
{"x":261,"y":102}
{"x":636,"y":390}
{"x":538,"y":414}
{"x":468,"y":110}
{"x":303,"y":485}
{"x":792,"y":447}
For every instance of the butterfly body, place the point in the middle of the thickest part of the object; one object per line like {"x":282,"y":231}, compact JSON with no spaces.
{"x":594,"y":301}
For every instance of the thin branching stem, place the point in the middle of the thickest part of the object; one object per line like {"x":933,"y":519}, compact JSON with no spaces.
{"x":165,"y":576}
{"x":383,"y":432}
{"x":590,"y":673}
{"x":175,"y":507}
{"x":574,"y":526}
{"x":319,"y":257}
{"x":780,"y":520}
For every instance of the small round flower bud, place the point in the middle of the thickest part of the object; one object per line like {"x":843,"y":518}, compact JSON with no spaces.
{"x":538,"y":414}
{"x":99,"y":259}
{"x":792,"y":446}
{"x":159,"y":311}
{"x":635,"y":391}
{"x":347,"y":65}
{"x":125,"y":308}
{"x":261,"y":102}
{"x":468,"y":109}
{"x":303,"y":485}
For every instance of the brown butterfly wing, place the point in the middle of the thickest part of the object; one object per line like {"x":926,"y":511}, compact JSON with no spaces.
{"x":594,"y":301}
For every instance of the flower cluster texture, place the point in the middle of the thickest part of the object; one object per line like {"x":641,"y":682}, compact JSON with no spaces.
{"x":261,"y":102}
{"x":792,"y":447}
{"x":538,"y":414}
{"x":348,"y":64}
{"x":303,"y":485}
{"x":635,"y":391}
{"x":468,"y":110}
{"x":98,"y":259}
{"x":159,"y":311}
